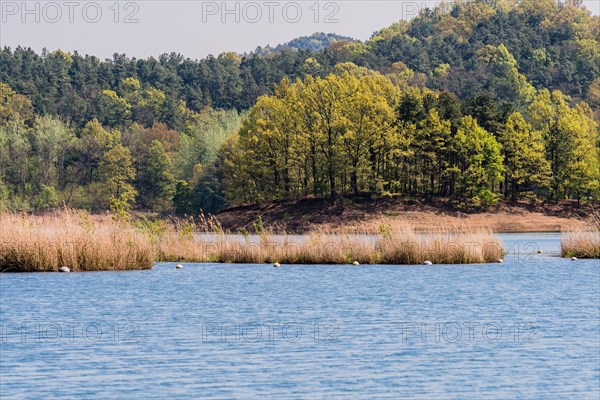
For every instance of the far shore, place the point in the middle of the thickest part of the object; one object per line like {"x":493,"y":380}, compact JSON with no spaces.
{"x":367,"y":216}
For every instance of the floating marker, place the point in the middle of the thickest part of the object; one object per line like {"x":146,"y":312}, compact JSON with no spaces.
{"x":427,"y":263}
{"x":276,"y":265}
{"x":356,"y":263}
{"x":574,"y":259}
{"x":500,"y":261}
{"x":64,"y":269}
{"x":179,"y":266}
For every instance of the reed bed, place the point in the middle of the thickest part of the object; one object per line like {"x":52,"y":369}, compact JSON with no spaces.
{"x":394,"y":246}
{"x":82,"y":242}
{"x":581,"y":244}
{"x":71,"y":239}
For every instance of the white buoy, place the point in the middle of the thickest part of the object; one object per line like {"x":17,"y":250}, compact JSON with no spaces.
{"x":276,"y":265}
{"x":573,"y":258}
{"x":427,"y":263}
{"x":64,"y":269}
{"x":179,"y":266}
{"x":356,"y":263}
{"x":540,"y":251}
{"x":500,"y":261}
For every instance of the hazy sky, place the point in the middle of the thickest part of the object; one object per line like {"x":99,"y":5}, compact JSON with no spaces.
{"x":193,"y":28}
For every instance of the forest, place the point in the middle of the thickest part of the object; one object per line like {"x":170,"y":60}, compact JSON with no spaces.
{"x":473,"y":102}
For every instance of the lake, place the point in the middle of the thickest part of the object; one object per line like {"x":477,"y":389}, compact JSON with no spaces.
{"x":528,"y":328}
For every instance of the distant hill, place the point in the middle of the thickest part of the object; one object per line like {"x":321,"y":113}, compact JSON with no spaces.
{"x":462,"y":102}
{"x":315,"y":42}
{"x":464,"y":48}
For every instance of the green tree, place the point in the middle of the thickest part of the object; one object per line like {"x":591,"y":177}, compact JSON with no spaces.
{"x":593,"y":97}
{"x":115,"y":111}
{"x":155,"y":180}
{"x":573,"y":140}
{"x":433,"y":149}
{"x":50,"y":140}
{"x":117,"y":175}
{"x":47,"y":198}
{"x":202,"y":139}
{"x":370,"y":132}
{"x":479,"y":162}
{"x":14,"y":106}
{"x":94,"y":142}
{"x":526,"y":167}
{"x":238,"y":185}
{"x":4,"y":196}
{"x":182,"y":198}
{"x":330,"y":134}
{"x":14,"y":155}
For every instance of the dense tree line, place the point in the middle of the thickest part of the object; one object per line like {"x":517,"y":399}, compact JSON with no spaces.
{"x":46,"y":163}
{"x":471,"y":101}
{"x":356,"y":132}
{"x":465,"y":48}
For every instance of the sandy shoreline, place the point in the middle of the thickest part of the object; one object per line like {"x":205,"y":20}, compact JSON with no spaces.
{"x":369,"y":215}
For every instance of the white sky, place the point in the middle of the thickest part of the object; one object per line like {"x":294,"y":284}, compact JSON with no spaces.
{"x":193,"y":28}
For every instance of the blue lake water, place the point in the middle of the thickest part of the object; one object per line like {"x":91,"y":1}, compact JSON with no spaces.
{"x":529,"y":328}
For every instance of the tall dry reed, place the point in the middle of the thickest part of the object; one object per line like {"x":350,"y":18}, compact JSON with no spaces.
{"x":72,"y":239}
{"x":84,"y":243}
{"x":581,"y":244}
{"x":393,"y":245}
